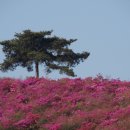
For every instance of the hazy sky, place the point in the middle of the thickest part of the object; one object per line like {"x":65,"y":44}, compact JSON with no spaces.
{"x":102,"y":28}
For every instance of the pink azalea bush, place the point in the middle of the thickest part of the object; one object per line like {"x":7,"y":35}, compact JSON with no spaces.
{"x":65,"y":104}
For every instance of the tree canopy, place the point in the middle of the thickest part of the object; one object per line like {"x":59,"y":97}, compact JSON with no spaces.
{"x":29,"y":48}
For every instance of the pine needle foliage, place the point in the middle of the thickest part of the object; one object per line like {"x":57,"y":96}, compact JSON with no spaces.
{"x":29,"y":48}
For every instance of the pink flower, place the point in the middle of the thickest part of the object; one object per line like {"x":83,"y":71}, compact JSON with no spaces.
{"x":27,"y":121}
{"x":109,"y":122}
{"x":55,"y":127}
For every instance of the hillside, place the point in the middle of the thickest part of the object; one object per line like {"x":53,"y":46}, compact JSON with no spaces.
{"x":65,"y":104}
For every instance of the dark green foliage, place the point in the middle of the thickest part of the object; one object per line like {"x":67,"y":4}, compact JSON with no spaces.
{"x":28,"y":48}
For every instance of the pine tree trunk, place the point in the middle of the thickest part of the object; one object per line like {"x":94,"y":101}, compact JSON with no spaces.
{"x":37,"y":69}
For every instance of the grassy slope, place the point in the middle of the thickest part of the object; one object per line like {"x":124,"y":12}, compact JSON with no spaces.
{"x":66,"y":104}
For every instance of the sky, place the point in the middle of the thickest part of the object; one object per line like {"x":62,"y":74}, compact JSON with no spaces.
{"x":102,"y":28}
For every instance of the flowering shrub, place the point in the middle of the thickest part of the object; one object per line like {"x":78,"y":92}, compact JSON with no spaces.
{"x":65,"y":104}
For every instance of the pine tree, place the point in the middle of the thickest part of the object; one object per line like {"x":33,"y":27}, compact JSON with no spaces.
{"x":29,"y":48}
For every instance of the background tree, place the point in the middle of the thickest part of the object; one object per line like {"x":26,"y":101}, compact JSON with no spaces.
{"x":28,"y":48}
